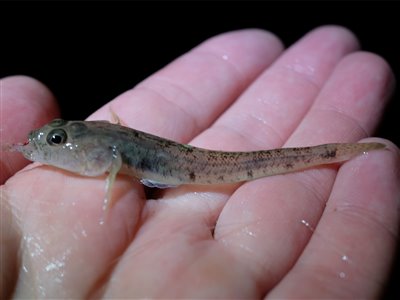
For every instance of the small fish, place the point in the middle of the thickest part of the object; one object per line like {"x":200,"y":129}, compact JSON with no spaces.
{"x":92,"y":148}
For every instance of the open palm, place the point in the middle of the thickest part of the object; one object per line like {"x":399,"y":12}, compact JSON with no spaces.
{"x":324,"y":232}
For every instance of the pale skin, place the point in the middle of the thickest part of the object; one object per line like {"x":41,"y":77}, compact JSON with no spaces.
{"x":238,"y":91}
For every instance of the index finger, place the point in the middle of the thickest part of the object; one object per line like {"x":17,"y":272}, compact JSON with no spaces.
{"x":25,"y":104}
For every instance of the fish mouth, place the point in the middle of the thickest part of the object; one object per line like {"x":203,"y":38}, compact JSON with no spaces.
{"x":28,"y":148}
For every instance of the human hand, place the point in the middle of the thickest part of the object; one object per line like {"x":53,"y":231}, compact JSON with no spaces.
{"x":325,"y":232}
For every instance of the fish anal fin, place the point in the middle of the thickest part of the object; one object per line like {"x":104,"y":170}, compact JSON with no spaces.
{"x":155,"y":184}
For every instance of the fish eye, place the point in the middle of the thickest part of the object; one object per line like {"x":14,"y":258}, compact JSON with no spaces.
{"x":56,"y":137}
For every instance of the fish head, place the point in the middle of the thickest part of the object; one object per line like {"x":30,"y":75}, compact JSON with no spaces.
{"x":66,"y":145}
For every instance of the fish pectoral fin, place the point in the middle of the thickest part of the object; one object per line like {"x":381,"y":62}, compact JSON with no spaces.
{"x":155,"y":184}
{"x":116,"y":164}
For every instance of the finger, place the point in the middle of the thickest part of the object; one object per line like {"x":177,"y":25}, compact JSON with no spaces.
{"x":25,"y":104}
{"x":277,"y":205}
{"x":273,"y":106}
{"x":348,"y":107}
{"x":351,"y":250}
{"x":187,"y":95}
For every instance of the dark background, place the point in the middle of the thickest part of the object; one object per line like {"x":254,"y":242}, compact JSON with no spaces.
{"x":87,"y":54}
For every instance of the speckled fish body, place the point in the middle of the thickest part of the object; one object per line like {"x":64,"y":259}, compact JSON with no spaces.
{"x":92,"y":148}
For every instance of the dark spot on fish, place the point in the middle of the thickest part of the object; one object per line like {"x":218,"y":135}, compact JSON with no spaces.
{"x":192,"y":176}
{"x":289,"y":165}
{"x":165,"y":144}
{"x":145,"y":164}
{"x":188,"y":149}
{"x":221,"y":178}
{"x":250,"y":173}
{"x":329,"y":154}
{"x":135,"y":133}
{"x":78,"y":129}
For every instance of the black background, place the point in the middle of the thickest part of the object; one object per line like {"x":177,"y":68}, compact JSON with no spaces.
{"x":88,"y":53}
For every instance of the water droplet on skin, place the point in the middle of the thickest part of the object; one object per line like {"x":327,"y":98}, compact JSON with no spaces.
{"x":301,"y":67}
{"x":54,"y":265}
{"x":305,"y":223}
{"x":248,"y":231}
{"x":344,"y":258}
{"x":246,"y":248}
{"x":33,"y":245}
{"x":42,"y":291}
